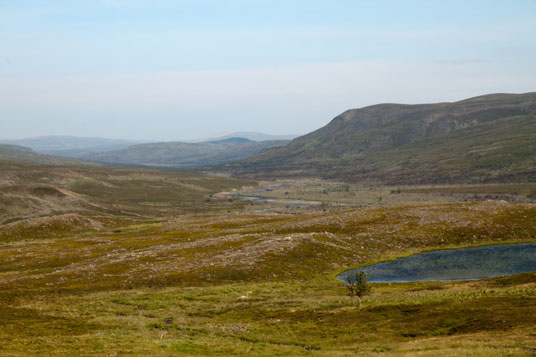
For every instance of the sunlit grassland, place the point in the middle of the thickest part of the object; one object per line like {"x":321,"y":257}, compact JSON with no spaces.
{"x":264,"y":284}
{"x":310,"y":316}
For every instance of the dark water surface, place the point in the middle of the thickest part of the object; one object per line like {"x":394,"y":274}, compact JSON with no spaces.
{"x":455,"y":264}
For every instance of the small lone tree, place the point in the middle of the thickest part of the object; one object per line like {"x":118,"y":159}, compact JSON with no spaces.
{"x":357,"y":285}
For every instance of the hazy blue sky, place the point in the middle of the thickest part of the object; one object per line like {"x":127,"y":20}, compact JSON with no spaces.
{"x":169,"y":70}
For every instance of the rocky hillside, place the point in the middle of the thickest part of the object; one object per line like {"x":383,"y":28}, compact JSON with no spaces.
{"x":486,"y":138}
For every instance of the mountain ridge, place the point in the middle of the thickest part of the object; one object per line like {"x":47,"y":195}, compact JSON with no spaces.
{"x":359,"y":143}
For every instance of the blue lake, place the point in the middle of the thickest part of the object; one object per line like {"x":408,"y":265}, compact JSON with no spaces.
{"x":455,"y":264}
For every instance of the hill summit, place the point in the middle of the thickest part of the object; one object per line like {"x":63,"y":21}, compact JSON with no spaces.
{"x":485,"y":138}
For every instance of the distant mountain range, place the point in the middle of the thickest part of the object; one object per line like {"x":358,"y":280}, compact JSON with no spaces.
{"x":481,"y":139}
{"x":253,"y":136}
{"x":70,"y":146}
{"x":491,"y":138}
{"x":80,"y":147}
{"x":186,"y":154}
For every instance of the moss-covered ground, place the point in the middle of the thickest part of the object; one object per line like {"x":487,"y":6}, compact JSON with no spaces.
{"x":254,"y":279}
{"x":291,"y":317}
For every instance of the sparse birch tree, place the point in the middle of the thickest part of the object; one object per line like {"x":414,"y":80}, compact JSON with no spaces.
{"x":357,"y":285}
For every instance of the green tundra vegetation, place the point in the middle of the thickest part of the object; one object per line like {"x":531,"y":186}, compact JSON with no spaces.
{"x":101,"y":261}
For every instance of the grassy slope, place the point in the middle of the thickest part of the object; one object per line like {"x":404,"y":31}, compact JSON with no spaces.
{"x":489,"y":138}
{"x":132,"y":274}
{"x":485,"y":318}
{"x":503,"y":150}
{"x":264,"y":284}
{"x":36,"y":195}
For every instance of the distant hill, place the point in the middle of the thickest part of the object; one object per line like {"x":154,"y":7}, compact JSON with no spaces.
{"x":253,"y":136}
{"x":70,"y":146}
{"x":42,"y":199}
{"x":186,"y":154}
{"x":486,"y":138}
{"x":21,"y":153}
{"x":232,"y":140}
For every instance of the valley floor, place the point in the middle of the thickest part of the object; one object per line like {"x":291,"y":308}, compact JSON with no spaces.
{"x":258,"y":278}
